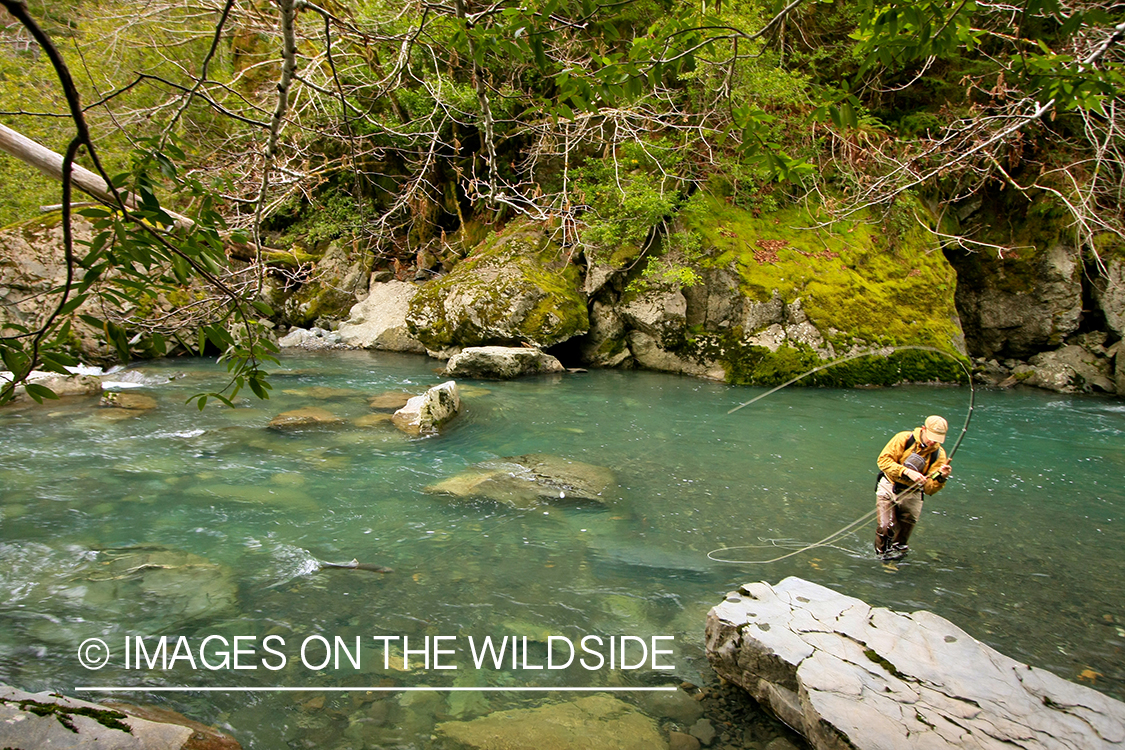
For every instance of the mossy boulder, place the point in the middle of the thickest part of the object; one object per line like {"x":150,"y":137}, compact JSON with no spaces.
{"x":516,"y":287}
{"x":334,"y":285}
{"x":778,"y":298}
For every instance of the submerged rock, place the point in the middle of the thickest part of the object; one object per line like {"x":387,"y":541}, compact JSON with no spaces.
{"x":426,"y":414}
{"x":500,"y":363}
{"x":305,"y":418}
{"x":52,"y":720}
{"x":389,"y":401}
{"x":848,"y":675}
{"x":527,"y":481}
{"x":598,"y":721}
{"x":131,"y":401}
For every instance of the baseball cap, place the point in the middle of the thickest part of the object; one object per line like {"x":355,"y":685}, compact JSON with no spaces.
{"x":936,"y":428}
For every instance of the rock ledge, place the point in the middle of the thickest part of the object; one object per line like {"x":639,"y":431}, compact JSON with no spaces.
{"x":848,"y":675}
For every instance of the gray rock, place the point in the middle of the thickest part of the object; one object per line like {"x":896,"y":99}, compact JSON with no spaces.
{"x":62,"y":385}
{"x":313,"y":338}
{"x":379,"y":321}
{"x":426,"y":414}
{"x":780,"y":743}
{"x":703,"y":731}
{"x":604,"y":345}
{"x":42,"y":720}
{"x":1018,"y":307}
{"x":677,"y":706}
{"x":848,"y":675}
{"x":1072,"y":369}
{"x":648,"y":353}
{"x":334,"y":284}
{"x":500,"y":363}
{"x":1109,"y":292}
{"x":518,"y":286}
{"x":527,"y":481}
{"x":681,"y":741}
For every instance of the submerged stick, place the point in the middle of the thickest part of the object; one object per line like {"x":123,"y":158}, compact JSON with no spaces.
{"x":355,"y":564}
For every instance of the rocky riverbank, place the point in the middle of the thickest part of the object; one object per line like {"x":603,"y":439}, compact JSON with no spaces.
{"x":757,"y":302}
{"x":848,"y":675}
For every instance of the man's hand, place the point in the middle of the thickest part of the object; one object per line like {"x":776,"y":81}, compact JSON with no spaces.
{"x":946,"y":470}
{"x":913,"y":476}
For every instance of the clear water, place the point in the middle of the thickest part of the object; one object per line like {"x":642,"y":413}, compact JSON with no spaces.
{"x":179,"y":522}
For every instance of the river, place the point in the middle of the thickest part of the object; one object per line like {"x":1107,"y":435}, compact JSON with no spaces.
{"x":189,"y":525}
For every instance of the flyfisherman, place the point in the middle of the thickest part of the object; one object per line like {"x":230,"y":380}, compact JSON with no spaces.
{"x":912,"y":463}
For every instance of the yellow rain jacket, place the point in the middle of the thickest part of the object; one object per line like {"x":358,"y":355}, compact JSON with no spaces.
{"x":890,"y":460}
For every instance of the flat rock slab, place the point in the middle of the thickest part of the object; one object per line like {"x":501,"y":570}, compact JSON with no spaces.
{"x":848,"y":675}
{"x":501,"y":363}
{"x":599,"y":721}
{"x":527,"y":481}
{"x":42,"y":720}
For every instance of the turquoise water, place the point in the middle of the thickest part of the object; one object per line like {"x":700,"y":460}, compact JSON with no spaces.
{"x":182,"y":523}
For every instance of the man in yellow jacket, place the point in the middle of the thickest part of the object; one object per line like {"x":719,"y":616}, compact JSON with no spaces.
{"x":912,"y":463}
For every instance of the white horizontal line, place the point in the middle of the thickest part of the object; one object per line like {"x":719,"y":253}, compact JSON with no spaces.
{"x":116,"y":689}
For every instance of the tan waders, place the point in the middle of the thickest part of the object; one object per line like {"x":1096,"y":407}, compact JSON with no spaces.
{"x":895,"y":516}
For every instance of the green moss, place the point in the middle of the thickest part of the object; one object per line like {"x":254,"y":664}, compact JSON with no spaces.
{"x":846,"y":274}
{"x":65,"y":714}
{"x":875,"y":281}
{"x":33,"y":226}
{"x":521,"y":261}
{"x":293,"y":258}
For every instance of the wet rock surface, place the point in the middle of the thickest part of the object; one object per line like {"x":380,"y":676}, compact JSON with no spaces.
{"x":501,"y":363}
{"x":310,"y":417}
{"x":849,"y":675}
{"x":428,"y":413}
{"x":42,"y":720}
{"x":527,"y":481}
{"x":598,"y":721}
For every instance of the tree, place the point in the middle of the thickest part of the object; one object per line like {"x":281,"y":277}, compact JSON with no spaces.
{"x":139,"y":250}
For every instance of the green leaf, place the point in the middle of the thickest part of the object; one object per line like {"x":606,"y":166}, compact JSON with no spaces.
{"x":39,"y":392}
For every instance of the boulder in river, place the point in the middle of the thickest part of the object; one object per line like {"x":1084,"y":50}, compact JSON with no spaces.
{"x":426,"y":414}
{"x":501,"y":363}
{"x":527,"y":481}
{"x":60,"y":385}
{"x":597,"y":721}
{"x":52,"y":720}
{"x":848,"y":675}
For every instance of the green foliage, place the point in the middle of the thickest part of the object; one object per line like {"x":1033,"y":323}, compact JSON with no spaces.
{"x":678,"y":265}
{"x":131,"y":260}
{"x":629,"y":194}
